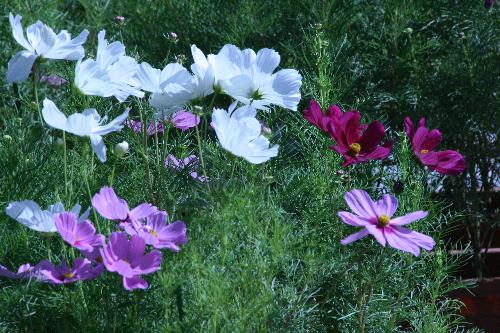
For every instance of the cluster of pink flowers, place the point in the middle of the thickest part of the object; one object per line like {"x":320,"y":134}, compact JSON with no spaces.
{"x":125,"y":252}
{"x":359,"y":143}
{"x":182,"y":120}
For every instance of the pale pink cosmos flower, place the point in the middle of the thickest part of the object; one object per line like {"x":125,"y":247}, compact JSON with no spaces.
{"x":25,"y":271}
{"x":82,"y":270}
{"x":110,"y":206}
{"x":80,"y":235}
{"x":376,"y":219}
{"x":127,"y":258}
{"x":158,"y":233}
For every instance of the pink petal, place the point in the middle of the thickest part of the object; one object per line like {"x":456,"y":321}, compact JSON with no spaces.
{"x":136,"y":248}
{"x":387,"y":205}
{"x":150,"y":263}
{"x":400,"y":243}
{"x":360,"y":203}
{"x":431,"y":140}
{"x":419,"y":239}
{"x":409,"y":218}
{"x":134,"y":283}
{"x":354,"y":237}
{"x":376,"y":232}
{"x":372,"y":136}
{"x":353,"y":220}
{"x":142,"y":211}
{"x":109,"y":205}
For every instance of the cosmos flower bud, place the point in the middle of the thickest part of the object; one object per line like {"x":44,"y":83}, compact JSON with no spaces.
{"x":121,"y":149}
{"x":7,"y":137}
{"x":54,"y":81}
{"x":408,"y":31}
{"x":119,"y":19}
{"x":173,"y":35}
{"x":266,"y":131}
{"x":59,"y":143}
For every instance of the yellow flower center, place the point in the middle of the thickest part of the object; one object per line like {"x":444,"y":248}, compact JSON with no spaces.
{"x":153,"y":232}
{"x":69,"y":275}
{"x":383,"y":220}
{"x":354,"y":148}
{"x":424,"y":151}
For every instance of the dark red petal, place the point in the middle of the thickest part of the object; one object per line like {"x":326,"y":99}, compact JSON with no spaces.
{"x":372,"y":136}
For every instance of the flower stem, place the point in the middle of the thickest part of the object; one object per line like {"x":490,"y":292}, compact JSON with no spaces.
{"x":65,"y":162}
{"x":200,"y":152}
{"x":145,"y":153}
{"x":365,"y":299}
{"x":35,"y":90}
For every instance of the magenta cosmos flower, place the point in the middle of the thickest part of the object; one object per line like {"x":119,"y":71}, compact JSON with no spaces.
{"x":158,"y":233}
{"x":184,"y":120}
{"x":376,"y":219}
{"x":424,"y":143}
{"x":82,"y":270}
{"x":191,"y":163}
{"x":320,"y":119}
{"x":80,"y":235}
{"x":110,"y":206}
{"x":25,"y":271}
{"x":356,"y":142}
{"x":127,"y":258}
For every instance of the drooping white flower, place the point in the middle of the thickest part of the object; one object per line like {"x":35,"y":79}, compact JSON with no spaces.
{"x":42,"y":42}
{"x":110,"y":74}
{"x":239,"y":132}
{"x":30,"y":214}
{"x":256,"y":84}
{"x":88,"y":123}
{"x":172,"y":87}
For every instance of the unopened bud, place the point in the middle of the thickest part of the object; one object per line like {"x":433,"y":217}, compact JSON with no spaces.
{"x":121,"y":149}
{"x":408,"y":31}
{"x":119,"y":19}
{"x":266,"y":131}
{"x":173,"y":35}
{"x":7,"y":137}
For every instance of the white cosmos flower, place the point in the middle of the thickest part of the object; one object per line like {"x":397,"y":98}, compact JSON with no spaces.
{"x":42,"y":42}
{"x":210,"y":71}
{"x":110,"y":74}
{"x":256,"y":84}
{"x":30,"y":214}
{"x":88,"y":123}
{"x":172,"y":87}
{"x":239,"y":132}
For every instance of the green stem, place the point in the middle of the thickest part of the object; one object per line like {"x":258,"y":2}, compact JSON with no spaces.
{"x":200,"y":152}
{"x":35,"y":90}
{"x":145,"y":153}
{"x":65,"y":161}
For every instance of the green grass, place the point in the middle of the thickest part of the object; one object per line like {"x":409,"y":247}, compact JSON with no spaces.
{"x":264,"y":251}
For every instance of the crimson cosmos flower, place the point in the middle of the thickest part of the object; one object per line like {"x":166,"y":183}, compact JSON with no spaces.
{"x":321,"y":120}
{"x":356,"y":142}
{"x":448,"y":162}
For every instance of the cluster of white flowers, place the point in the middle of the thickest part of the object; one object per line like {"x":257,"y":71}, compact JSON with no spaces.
{"x":249,"y":78}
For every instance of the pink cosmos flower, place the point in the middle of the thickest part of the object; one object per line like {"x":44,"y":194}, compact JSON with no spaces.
{"x":184,"y":120}
{"x":127,"y":258}
{"x":191,"y":162}
{"x":82,"y":270}
{"x":424,"y":143}
{"x":110,"y":206}
{"x":321,"y":120}
{"x":25,"y":271}
{"x":80,"y":235}
{"x":355,"y":142}
{"x":376,"y":219}
{"x":158,"y":233}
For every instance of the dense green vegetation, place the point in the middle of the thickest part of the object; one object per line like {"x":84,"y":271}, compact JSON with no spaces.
{"x":263,"y":252}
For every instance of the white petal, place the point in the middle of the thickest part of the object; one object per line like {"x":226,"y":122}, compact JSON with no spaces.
{"x":81,"y":124}
{"x":53,"y":116}
{"x":267,"y":60}
{"x":113,"y":126}
{"x":108,"y":54}
{"x":30,"y":214}
{"x":148,"y":77}
{"x":17,"y":31}
{"x":98,"y":147}
{"x":244,"y":112}
{"x":67,"y":48}
{"x":19,"y":67}
{"x":287,"y":84}
{"x":41,"y":37}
